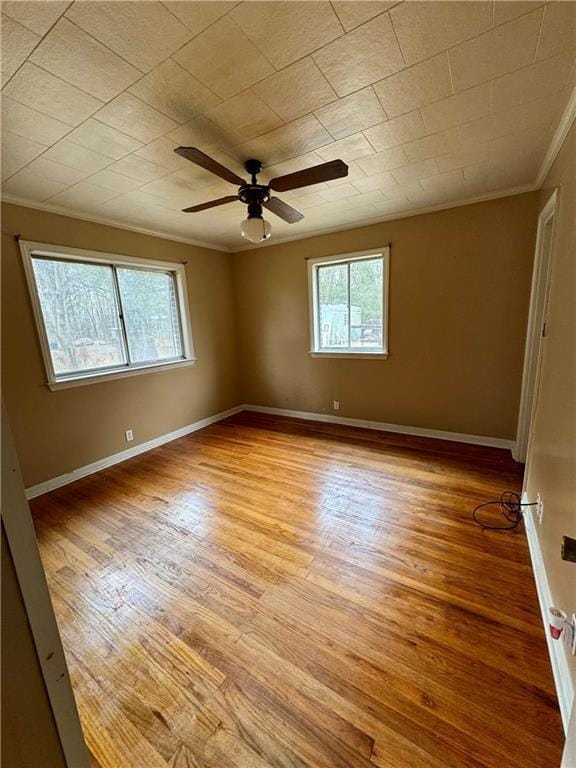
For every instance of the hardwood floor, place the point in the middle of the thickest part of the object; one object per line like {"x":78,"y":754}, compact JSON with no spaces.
{"x":277,"y":593}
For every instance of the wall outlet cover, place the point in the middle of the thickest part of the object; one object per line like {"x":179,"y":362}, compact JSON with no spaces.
{"x":129,"y":435}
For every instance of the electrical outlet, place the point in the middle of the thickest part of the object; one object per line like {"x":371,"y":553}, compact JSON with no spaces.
{"x":539,"y":509}
{"x":336,"y":405}
{"x":129,"y":435}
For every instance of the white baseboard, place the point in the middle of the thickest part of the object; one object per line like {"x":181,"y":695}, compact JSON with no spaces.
{"x":116,"y":458}
{"x":457,"y":437}
{"x":556,"y":648}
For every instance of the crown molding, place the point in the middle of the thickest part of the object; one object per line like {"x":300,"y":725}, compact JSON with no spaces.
{"x":60,"y":211}
{"x":396,"y":216}
{"x":558,"y":139}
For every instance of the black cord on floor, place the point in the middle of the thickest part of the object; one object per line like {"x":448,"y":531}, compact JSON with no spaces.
{"x":510,"y":505}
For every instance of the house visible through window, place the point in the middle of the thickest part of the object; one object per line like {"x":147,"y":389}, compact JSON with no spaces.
{"x":101,"y":315}
{"x":348,"y":304}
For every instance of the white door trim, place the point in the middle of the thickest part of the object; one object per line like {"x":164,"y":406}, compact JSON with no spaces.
{"x":536,"y":316}
{"x":23,"y":547}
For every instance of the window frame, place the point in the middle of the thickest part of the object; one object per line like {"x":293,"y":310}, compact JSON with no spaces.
{"x":314,"y":310}
{"x":29,"y":250}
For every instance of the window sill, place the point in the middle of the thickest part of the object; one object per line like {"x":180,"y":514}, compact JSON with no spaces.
{"x":351,"y":355}
{"x":93,"y":378}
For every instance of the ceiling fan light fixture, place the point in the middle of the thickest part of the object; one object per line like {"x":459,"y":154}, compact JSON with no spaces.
{"x":257,"y":196}
{"x":256,"y":229}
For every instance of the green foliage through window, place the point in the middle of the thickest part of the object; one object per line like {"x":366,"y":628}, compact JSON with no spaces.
{"x":99,"y":316}
{"x":350,"y":304}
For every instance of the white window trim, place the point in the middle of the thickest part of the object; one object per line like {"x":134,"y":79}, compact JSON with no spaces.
{"x":351,"y":353}
{"x":29,"y":249}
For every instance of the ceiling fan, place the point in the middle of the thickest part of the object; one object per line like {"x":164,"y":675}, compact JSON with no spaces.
{"x":257,"y":196}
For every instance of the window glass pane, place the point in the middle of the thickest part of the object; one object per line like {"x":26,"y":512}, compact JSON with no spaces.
{"x":80,"y":314}
{"x":333,"y":306}
{"x":151,"y":316}
{"x":366,"y":304}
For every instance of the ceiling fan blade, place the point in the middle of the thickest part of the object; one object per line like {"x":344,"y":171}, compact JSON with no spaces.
{"x":210,"y":204}
{"x":335,"y":169}
{"x":209,"y":164}
{"x":284,"y":211}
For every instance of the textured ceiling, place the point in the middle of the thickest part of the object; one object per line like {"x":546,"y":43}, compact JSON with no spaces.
{"x":427,"y":102}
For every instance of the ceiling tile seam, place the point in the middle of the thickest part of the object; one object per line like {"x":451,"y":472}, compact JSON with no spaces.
{"x":300,"y":58}
{"x":286,"y":123}
{"x":551,"y":160}
{"x":450,"y":73}
{"x":456,"y":45}
{"x":250,"y":88}
{"x":144,"y":104}
{"x":37,"y":112}
{"x":93,"y":116}
{"x":535,"y":58}
{"x":114,"y":196}
{"x":42,"y":37}
{"x":261,"y":52}
{"x":411,"y":141}
{"x":382,"y":107}
{"x":32,"y":30}
{"x":335,"y":12}
{"x":73,"y":85}
{"x":135,"y":82}
{"x":376,"y":82}
{"x":168,"y":172}
{"x":363,"y":23}
{"x":113,"y":128}
{"x":368,"y":140}
{"x":311,"y":54}
{"x":511,"y":21}
{"x":223,"y":101}
{"x":106,"y":103}
{"x":406,"y":65}
{"x":194,"y":36}
{"x":7,"y":179}
{"x":169,"y":58}
{"x":56,"y":77}
{"x":104,"y":45}
{"x":4,"y":181}
{"x":283,"y":120}
{"x":112,"y":160}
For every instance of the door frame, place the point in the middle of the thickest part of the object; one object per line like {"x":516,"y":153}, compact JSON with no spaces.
{"x":536,"y":326}
{"x":21,"y":540}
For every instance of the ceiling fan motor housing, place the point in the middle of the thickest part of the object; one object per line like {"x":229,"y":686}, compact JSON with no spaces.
{"x":254,"y":195}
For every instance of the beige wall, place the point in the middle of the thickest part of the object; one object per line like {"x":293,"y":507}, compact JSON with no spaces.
{"x":551,"y":464}
{"x":459,"y":290}
{"x":56,"y":432}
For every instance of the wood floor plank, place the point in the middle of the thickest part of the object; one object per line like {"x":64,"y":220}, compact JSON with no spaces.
{"x":274,"y":593}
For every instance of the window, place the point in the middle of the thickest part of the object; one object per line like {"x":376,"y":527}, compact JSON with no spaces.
{"x":101,"y":316}
{"x":348,"y":304}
